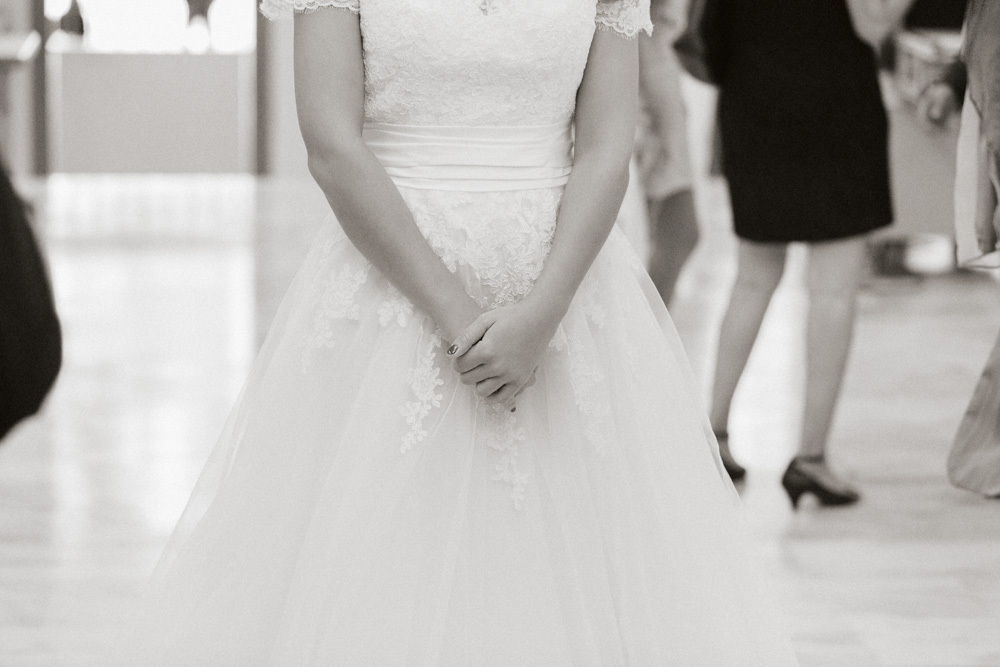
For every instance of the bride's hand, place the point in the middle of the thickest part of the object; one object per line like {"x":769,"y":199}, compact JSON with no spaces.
{"x":499,"y":352}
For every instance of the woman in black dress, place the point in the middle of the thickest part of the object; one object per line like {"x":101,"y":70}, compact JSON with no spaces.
{"x":804,"y":141}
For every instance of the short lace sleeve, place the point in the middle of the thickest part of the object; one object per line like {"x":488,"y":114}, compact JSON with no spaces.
{"x":627,"y":17}
{"x":276,"y":9}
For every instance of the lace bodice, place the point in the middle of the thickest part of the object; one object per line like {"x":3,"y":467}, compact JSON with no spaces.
{"x":470,"y":62}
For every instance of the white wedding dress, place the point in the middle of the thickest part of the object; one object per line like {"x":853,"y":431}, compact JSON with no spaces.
{"x":363,"y":507}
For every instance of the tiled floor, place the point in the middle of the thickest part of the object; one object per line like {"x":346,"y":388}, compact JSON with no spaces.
{"x":164,"y":285}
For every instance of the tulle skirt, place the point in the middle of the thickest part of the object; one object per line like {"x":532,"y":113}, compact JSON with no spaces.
{"x":363,"y":507}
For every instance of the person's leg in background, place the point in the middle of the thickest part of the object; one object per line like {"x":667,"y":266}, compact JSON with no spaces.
{"x":673,"y":235}
{"x":662,"y":152}
{"x":759,"y":270}
{"x":835,"y":270}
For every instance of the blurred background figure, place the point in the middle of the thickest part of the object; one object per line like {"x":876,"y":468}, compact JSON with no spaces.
{"x":804,"y":141}
{"x":662,"y":150}
{"x":30,"y":338}
{"x":974,"y":462}
{"x":942,"y":98}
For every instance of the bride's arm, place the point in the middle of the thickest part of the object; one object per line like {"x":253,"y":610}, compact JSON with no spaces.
{"x":329,"y":93}
{"x":500,"y":350}
{"x":606,"y":111}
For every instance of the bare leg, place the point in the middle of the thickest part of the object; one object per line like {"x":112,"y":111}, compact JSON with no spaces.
{"x":673,"y":236}
{"x":834,"y":271}
{"x":758,"y":274}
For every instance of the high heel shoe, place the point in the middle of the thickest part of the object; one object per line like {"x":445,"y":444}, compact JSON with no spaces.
{"x":798,"y":480}
{"x":735,"y":470}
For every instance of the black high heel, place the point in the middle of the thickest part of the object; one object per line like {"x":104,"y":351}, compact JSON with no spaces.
{"x":798,"y":481}
{"x":735,"y":470}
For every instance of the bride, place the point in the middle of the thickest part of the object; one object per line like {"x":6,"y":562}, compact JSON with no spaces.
{"x":471,"y":437}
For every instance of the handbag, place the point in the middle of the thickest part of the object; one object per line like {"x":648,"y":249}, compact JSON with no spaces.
{"x":974,"y":461}
{"x":30,"y":335}
{"x":701,"y":48}
{"x":976,"y":234}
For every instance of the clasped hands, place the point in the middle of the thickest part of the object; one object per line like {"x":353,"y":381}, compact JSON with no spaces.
{"x":499,"y":352}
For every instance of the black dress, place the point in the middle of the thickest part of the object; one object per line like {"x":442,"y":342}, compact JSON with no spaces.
{"x":804,"y":131}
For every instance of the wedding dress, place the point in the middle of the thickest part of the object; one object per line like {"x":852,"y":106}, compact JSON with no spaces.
{"x":363,"y":507}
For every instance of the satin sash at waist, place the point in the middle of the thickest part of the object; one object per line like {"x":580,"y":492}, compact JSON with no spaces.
{"x":473,"y":159}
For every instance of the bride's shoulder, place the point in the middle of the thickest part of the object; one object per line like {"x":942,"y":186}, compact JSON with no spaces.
{"x":275,"y":9}
{"x":628,"y":17}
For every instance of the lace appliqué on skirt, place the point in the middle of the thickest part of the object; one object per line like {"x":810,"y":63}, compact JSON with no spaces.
{"x":502,"y":434}
{"x":396,"y":308}
{"x":336,"y":303}
{"x":424,"y":380}
{"x":592,"y":400}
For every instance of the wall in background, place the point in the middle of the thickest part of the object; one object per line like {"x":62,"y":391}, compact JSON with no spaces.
{"x":151,"y":112}
{"x":284,"y":153}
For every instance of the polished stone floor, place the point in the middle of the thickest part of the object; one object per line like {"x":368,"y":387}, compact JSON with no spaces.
{"x":164,"y":285}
